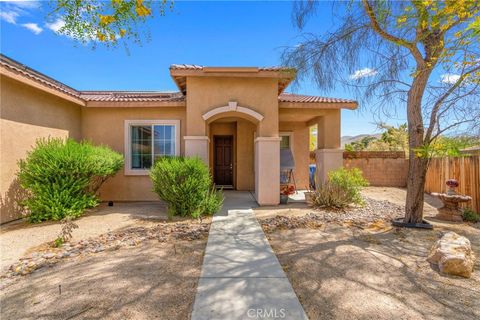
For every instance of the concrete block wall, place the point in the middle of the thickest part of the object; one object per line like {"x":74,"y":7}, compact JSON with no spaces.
{"x":385,"y":169}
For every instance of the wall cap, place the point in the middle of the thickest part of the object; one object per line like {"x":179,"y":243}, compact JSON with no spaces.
{"x":196,"y":138}
{"x":273,"y":139}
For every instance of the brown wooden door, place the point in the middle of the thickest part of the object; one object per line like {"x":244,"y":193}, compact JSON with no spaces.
{"x":223,"y":160}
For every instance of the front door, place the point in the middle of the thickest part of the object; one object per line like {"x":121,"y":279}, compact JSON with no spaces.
{"x":223,"y":160}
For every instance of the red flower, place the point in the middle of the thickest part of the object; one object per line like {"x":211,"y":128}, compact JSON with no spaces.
{"x":452,"y":183}
{"x":287,"y":190}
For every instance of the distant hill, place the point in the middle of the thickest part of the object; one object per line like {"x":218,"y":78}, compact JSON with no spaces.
{"x":349,"y":139}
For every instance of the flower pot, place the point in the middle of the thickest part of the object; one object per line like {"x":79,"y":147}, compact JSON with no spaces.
{"x":309,"y":197}
{"x":283,"y":199}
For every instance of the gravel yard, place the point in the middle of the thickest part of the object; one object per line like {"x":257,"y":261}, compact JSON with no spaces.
{"x":353,"y":265}
{"x":19,"y":238}
{"x":157,"y":280}
{"x":127,"y":262}
{"x":341,"y":272}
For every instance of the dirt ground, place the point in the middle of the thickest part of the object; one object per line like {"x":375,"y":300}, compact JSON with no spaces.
{"x":341,"y":272}
{"x":17,"y":238}
{"x":153,"y":281}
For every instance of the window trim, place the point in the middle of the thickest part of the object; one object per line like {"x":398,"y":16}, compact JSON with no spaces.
{"x":128,"y":142}
{"x":290,"y":135}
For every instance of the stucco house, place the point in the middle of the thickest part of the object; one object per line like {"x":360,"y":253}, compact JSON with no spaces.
{"x":234,"y":118}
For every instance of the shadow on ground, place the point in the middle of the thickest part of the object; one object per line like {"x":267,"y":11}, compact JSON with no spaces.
{"x":342,"y":273}
{"x":154,"y":281}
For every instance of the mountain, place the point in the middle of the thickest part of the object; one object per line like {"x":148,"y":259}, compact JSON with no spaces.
{"x":349,"y":139}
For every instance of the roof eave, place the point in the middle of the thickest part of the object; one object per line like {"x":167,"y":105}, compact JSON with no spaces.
{"x":137,"y":104}
{"x":7,"y":72}
{"x":318,"y":105}
{"x":284,"y":76}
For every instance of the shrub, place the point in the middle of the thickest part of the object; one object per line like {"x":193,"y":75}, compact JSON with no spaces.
{"x":331,"y":196}
{"x":470,"y":215}
{"x":62,"y":177}
{"x":185,"y":184}
{"x":349,"y":180}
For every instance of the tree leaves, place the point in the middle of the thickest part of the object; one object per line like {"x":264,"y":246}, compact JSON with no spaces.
{"x":107,"y":22}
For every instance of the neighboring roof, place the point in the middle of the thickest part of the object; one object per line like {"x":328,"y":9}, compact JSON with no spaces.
{"x":166,"y":98}
{"x":301,"y":98}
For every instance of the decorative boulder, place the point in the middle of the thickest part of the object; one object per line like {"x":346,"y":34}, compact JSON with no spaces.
{"x":453,"y":255}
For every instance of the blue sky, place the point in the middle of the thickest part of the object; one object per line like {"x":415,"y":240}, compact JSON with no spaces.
{"x":206,"y":33}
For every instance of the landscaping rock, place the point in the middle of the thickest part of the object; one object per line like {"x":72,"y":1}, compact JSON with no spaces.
{"x":453,"y":255}
{"x":111,"y":241}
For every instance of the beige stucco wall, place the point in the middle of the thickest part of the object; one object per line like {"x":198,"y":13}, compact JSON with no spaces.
{"x":258,"y":94}
{"x":27,"y":114}
{"x":329,"y":126}
{"x":301,"y":153}
{"x":107,"y":126}
{"x":245,"y":151}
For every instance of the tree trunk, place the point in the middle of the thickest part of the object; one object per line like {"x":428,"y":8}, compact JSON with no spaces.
{"x":417,"y":171}
{"x":417,"y":168}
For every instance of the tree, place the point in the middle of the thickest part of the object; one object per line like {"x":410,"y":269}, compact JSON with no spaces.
{"x":105,"y":21}
{"x":421,"y":55}
{"x":392,"y":139}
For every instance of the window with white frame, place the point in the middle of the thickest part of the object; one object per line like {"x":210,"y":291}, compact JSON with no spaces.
{"x":148,"y":140}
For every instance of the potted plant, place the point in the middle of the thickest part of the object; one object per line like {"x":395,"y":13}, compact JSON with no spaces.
{"x":309,"y":197}
{"x":452,"y":184}
{"x":285,"y":191}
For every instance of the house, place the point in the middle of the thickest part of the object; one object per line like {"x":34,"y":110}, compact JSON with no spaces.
{"x":234,"y":118}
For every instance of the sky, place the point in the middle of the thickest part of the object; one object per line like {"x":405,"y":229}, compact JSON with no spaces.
{"x":206,"y":33}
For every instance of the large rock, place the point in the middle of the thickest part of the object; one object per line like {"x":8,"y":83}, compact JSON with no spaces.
{"x":453,"y":255}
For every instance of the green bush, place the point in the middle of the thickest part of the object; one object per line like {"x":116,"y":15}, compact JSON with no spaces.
{"x":62,"y":177}
{"x":185,"y":184}
{"x":349,"y":180}
{"x":470,"y":215}
{"x":342,"y":189}
{"x":331,"y":196}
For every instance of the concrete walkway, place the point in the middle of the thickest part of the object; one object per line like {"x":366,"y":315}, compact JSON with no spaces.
{"x":241,"y":276}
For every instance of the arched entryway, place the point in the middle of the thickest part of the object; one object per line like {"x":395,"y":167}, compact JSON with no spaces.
{"x":231,"y":131}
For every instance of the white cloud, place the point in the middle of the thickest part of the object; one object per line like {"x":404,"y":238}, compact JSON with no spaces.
{"x":56,"y":25}
{"x":449,"y":78}
{"x":33,"y":27}
{"x":27,"y":4}
{"x":9,"y":16}
{"x":363,"y":73}
{"x":10,"y":11}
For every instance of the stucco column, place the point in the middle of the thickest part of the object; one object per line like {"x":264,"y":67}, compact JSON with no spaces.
{"x":328,"y":156}
{"x":326,"y":161}
{"x":267,"y":170}
{"x":197,"y":146}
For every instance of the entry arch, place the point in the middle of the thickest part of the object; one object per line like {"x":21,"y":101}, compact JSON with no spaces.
{"x":232,"y":109}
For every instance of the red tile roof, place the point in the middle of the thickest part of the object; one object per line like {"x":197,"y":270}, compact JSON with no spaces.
{"x":131,"y":96}
{"x":32,"y":74}
{"x":301,"y":98}
{"x":143,"y":96}
{"x":198,"y":67}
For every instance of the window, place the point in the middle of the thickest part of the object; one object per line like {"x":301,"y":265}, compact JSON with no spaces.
{"x":287,"y":140}
{"x":148,"y":140}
